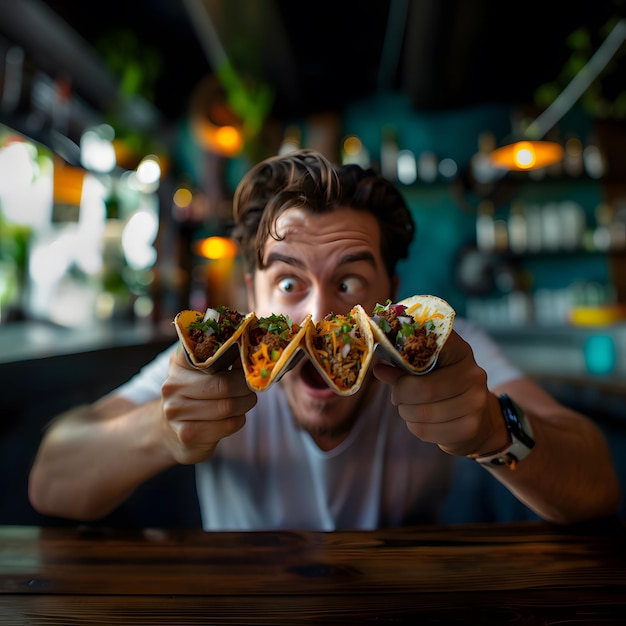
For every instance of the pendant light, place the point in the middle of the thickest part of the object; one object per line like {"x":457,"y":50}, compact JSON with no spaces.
{"x":532,"y":152}
{"x":526,"y":155}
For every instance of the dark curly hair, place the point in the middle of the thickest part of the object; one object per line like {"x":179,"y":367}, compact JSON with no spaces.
{"x":306,"y":179}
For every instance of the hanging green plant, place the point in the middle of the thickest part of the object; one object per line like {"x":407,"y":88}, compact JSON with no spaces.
{"x":137,"y":66}
{"x":605,"y":98}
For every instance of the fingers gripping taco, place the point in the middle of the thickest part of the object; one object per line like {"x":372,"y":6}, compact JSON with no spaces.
{"x":207,"y":338}
{"x":268,"y":346}
{"x":411,"y":333}
{"x":341,"y":348}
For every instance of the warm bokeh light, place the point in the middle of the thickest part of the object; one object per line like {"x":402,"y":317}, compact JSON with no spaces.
{"x":353,"y":151}
{"x":228,"y":138}
{"x":217,"y":248}
{"x":225,"y":140}
{"x":182,"y":197}
{"x":527,"y":155}
{"x":213,"y":123}
{"x":352,"y":145}
{"x":68,"y":184}
{"x":525,"y":158}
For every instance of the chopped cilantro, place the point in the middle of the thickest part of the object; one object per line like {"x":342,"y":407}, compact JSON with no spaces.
{"x":278,"y":324}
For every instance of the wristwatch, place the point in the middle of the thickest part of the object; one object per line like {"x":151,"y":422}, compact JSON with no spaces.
{"x":521,"y":434}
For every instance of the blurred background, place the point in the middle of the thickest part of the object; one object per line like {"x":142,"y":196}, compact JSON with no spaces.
{"x":125,"y":132}
{"x":125,"y":129}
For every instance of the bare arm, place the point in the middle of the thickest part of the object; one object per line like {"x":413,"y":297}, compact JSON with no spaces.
{"x":92,"y":458}
{"x":568,"y":476}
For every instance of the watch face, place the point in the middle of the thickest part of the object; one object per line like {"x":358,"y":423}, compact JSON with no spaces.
{"x":516,"y":421}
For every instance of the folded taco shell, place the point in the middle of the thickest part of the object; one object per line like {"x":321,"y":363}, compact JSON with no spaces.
{"x":341,"y":348}
{"x":265,"y":362}
{"x":426,"y":323}
{"x":217,"y":347}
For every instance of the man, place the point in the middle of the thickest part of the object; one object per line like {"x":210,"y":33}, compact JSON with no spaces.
{"x":317,"y":239}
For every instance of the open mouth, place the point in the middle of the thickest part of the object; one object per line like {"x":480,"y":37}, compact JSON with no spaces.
{"x":311,"y":377}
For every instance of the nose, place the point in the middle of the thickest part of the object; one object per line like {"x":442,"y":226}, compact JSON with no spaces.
{"x":324,"y":301}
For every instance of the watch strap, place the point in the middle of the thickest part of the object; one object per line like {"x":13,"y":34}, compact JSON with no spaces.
{"x":520,"y":432}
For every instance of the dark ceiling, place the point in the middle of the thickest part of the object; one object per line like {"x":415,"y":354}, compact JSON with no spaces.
{"x":323,"y":54}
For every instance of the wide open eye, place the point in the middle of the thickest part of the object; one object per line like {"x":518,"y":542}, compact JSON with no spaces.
{"x":288,"y":285}
{"x":351,"y":285}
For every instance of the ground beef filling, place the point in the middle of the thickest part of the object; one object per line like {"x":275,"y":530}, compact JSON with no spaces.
{"x":418,"y":348}
{"x":344,"y":368}
{"x":206,"y":345}
{"x":274,"y":342}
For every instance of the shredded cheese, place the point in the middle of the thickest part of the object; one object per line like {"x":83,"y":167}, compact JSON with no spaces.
{"x":425,"y":315}
{"x":261,"y":366}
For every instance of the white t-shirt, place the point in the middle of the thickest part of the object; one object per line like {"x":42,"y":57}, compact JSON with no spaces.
{"x":271,"y":475}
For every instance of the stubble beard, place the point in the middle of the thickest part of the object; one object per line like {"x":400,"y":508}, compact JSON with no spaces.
{"x":320,"y":421}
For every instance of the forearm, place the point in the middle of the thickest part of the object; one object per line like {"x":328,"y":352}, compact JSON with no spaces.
{"x":90,"y":462}
{"x":568,"y":476}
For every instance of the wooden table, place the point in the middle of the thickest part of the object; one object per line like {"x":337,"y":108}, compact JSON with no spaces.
{"x":526,"y":573}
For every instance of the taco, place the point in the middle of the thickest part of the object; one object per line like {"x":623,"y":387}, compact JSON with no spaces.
{"x":211,"y":337}
{"x":268,"y":347}
{"x":411,"y":333}
{"x":341,"y":348}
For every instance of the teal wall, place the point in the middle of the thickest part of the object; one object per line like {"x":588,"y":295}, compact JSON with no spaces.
{"x":442,"y":226}
{"x":442,"y":230}
{"x":445,"y":222}
{"x":452,"y":133}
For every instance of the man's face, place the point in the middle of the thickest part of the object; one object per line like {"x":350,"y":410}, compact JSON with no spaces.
{"x":325,"y":264}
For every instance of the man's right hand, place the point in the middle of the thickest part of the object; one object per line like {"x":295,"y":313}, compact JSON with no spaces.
{"x":199,"y":409}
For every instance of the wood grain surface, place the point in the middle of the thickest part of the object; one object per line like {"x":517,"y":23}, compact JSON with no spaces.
{"x":527,"y":573}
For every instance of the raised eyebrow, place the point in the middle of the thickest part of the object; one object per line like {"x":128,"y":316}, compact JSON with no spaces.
{"x":276,"y":257}
{"x":359,"y":256}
